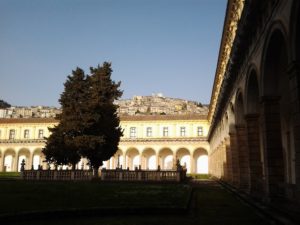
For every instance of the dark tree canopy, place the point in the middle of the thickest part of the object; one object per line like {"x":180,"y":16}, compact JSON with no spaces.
{"x":58,"y":150}
{"x":4,"y":104}
{"x":89,"y":125}
{"x":102,"y":119}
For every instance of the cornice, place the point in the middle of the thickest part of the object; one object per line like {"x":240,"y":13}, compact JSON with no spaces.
{"x":161,"y":140}
{"x":122,"y":141}
{"x":21,"y":141}
{"x":233,"y":15}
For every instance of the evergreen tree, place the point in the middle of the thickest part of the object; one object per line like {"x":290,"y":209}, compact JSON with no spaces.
{"x":103,"y":129}
{"x":4,"y":104}
{"x":57,"y":151}
{"x":60,"y":147}
{"x":89,"y":125}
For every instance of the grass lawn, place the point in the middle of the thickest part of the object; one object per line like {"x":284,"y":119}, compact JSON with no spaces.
{"x":211,"y":204}
{"x":21,"y":196}
{"x":9,"y":175}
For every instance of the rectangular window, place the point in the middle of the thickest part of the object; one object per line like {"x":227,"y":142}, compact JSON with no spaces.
{"x":12,"y":134}
{"x":182,"y":131}
{"x":149,"y":132}
{"x":41,"y":133}
{"x":165,"y":132}
{"x":26,"y":134}
{"x":200,"y":131}
{"x":132,"y":132}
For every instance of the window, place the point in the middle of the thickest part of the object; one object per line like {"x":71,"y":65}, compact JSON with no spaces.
{"x":200,"y":131}
{"x":132,"y":132}
{"x":41,"y":133}
{"x":12,"y":134}
{"x":165,"y":132}
{"x":149,"y":132}
{"x":26,"y":134}
{"x":182,"y":131}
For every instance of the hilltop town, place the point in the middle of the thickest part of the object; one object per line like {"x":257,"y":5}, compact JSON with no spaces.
{"x":156,"y":104}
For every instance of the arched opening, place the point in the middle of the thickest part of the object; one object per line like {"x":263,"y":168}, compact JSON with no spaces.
{"x":276,"y":108}
{"x":242,"y":147}
{"x":118,"y":160}
{"x":132,"y":158}
{"x":81,"y":165}
{"x":9,"y":160}
{"x":184,"y":157}
{"x":37,"y":158}
{"x":200,"y":157}
{"x":166,"y":160}
{"x":253,"y":135}
{"x":149,"y":159}
{"x":1,"y":161}
{"x":23,"y":154}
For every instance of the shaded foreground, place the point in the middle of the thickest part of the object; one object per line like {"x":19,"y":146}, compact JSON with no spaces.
{"x":210,"y":203}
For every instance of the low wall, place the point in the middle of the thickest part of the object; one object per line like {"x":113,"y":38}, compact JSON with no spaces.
{"x":57,"y":174}
{"x":143,"y":175}
{"x":106,"y":175}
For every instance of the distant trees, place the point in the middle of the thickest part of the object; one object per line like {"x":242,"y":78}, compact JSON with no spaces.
{"x":4,"y":104}
{"x":89,"y":125}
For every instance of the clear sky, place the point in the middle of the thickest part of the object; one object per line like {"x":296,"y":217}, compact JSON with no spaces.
{"x":155,"y":46}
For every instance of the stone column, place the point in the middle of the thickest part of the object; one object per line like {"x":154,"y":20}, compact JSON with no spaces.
{"x":15,"y":162}
{"x":255,"y":162}
{"x":157,"y":160}
{"x":235,"y":159}
{"x":142,"y":161}
{"x":274,"y":163}
{"x":294,"y":77}
{"x":28,"y":161}
{"x":124,"y":166}
{"x":223,"y":161}
{"x":174,"y":159}
{"x":192,"y":164}
{"x":243,"y":157}
{"x":1,"y":162}
{"x":228,"y":159}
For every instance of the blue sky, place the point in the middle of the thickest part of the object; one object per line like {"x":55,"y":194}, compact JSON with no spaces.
{"x":155,"y":46}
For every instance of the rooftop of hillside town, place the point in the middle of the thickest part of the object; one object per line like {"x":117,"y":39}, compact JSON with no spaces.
{"x":153,"y":105}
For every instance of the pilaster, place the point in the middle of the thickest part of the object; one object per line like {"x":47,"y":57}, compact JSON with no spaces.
{"x":255,"y":162}
{"x":274,"y":163}
{"x":243,"y":157}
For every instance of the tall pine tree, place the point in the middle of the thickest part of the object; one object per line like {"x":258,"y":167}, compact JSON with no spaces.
{"x":89,"y":125}
{"x":102,"y":119}
{"x":60,"y":147}
{"x":57,"y":151}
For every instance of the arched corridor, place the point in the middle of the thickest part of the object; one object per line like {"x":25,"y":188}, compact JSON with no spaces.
{"x":166,"y":159}
{"x":200,"y":157}
{"x":184,"y":157}
{"x":23,"y":154}
{"x":132,"y":158}
{"x":149,"y":159}
{"x":9,"y":160}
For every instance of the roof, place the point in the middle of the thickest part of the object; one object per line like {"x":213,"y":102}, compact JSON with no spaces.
{"x":122,"y":118}
{"x":164,"y":117}
{"x":28,"y":120}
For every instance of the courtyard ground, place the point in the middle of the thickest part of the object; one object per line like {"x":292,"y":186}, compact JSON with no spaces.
{"x":126,"y":203}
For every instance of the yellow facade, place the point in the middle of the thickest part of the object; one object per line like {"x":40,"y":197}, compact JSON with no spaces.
{"x":148,"y":142}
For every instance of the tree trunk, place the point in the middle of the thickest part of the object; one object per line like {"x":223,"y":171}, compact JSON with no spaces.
{"x":95,"y":171}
